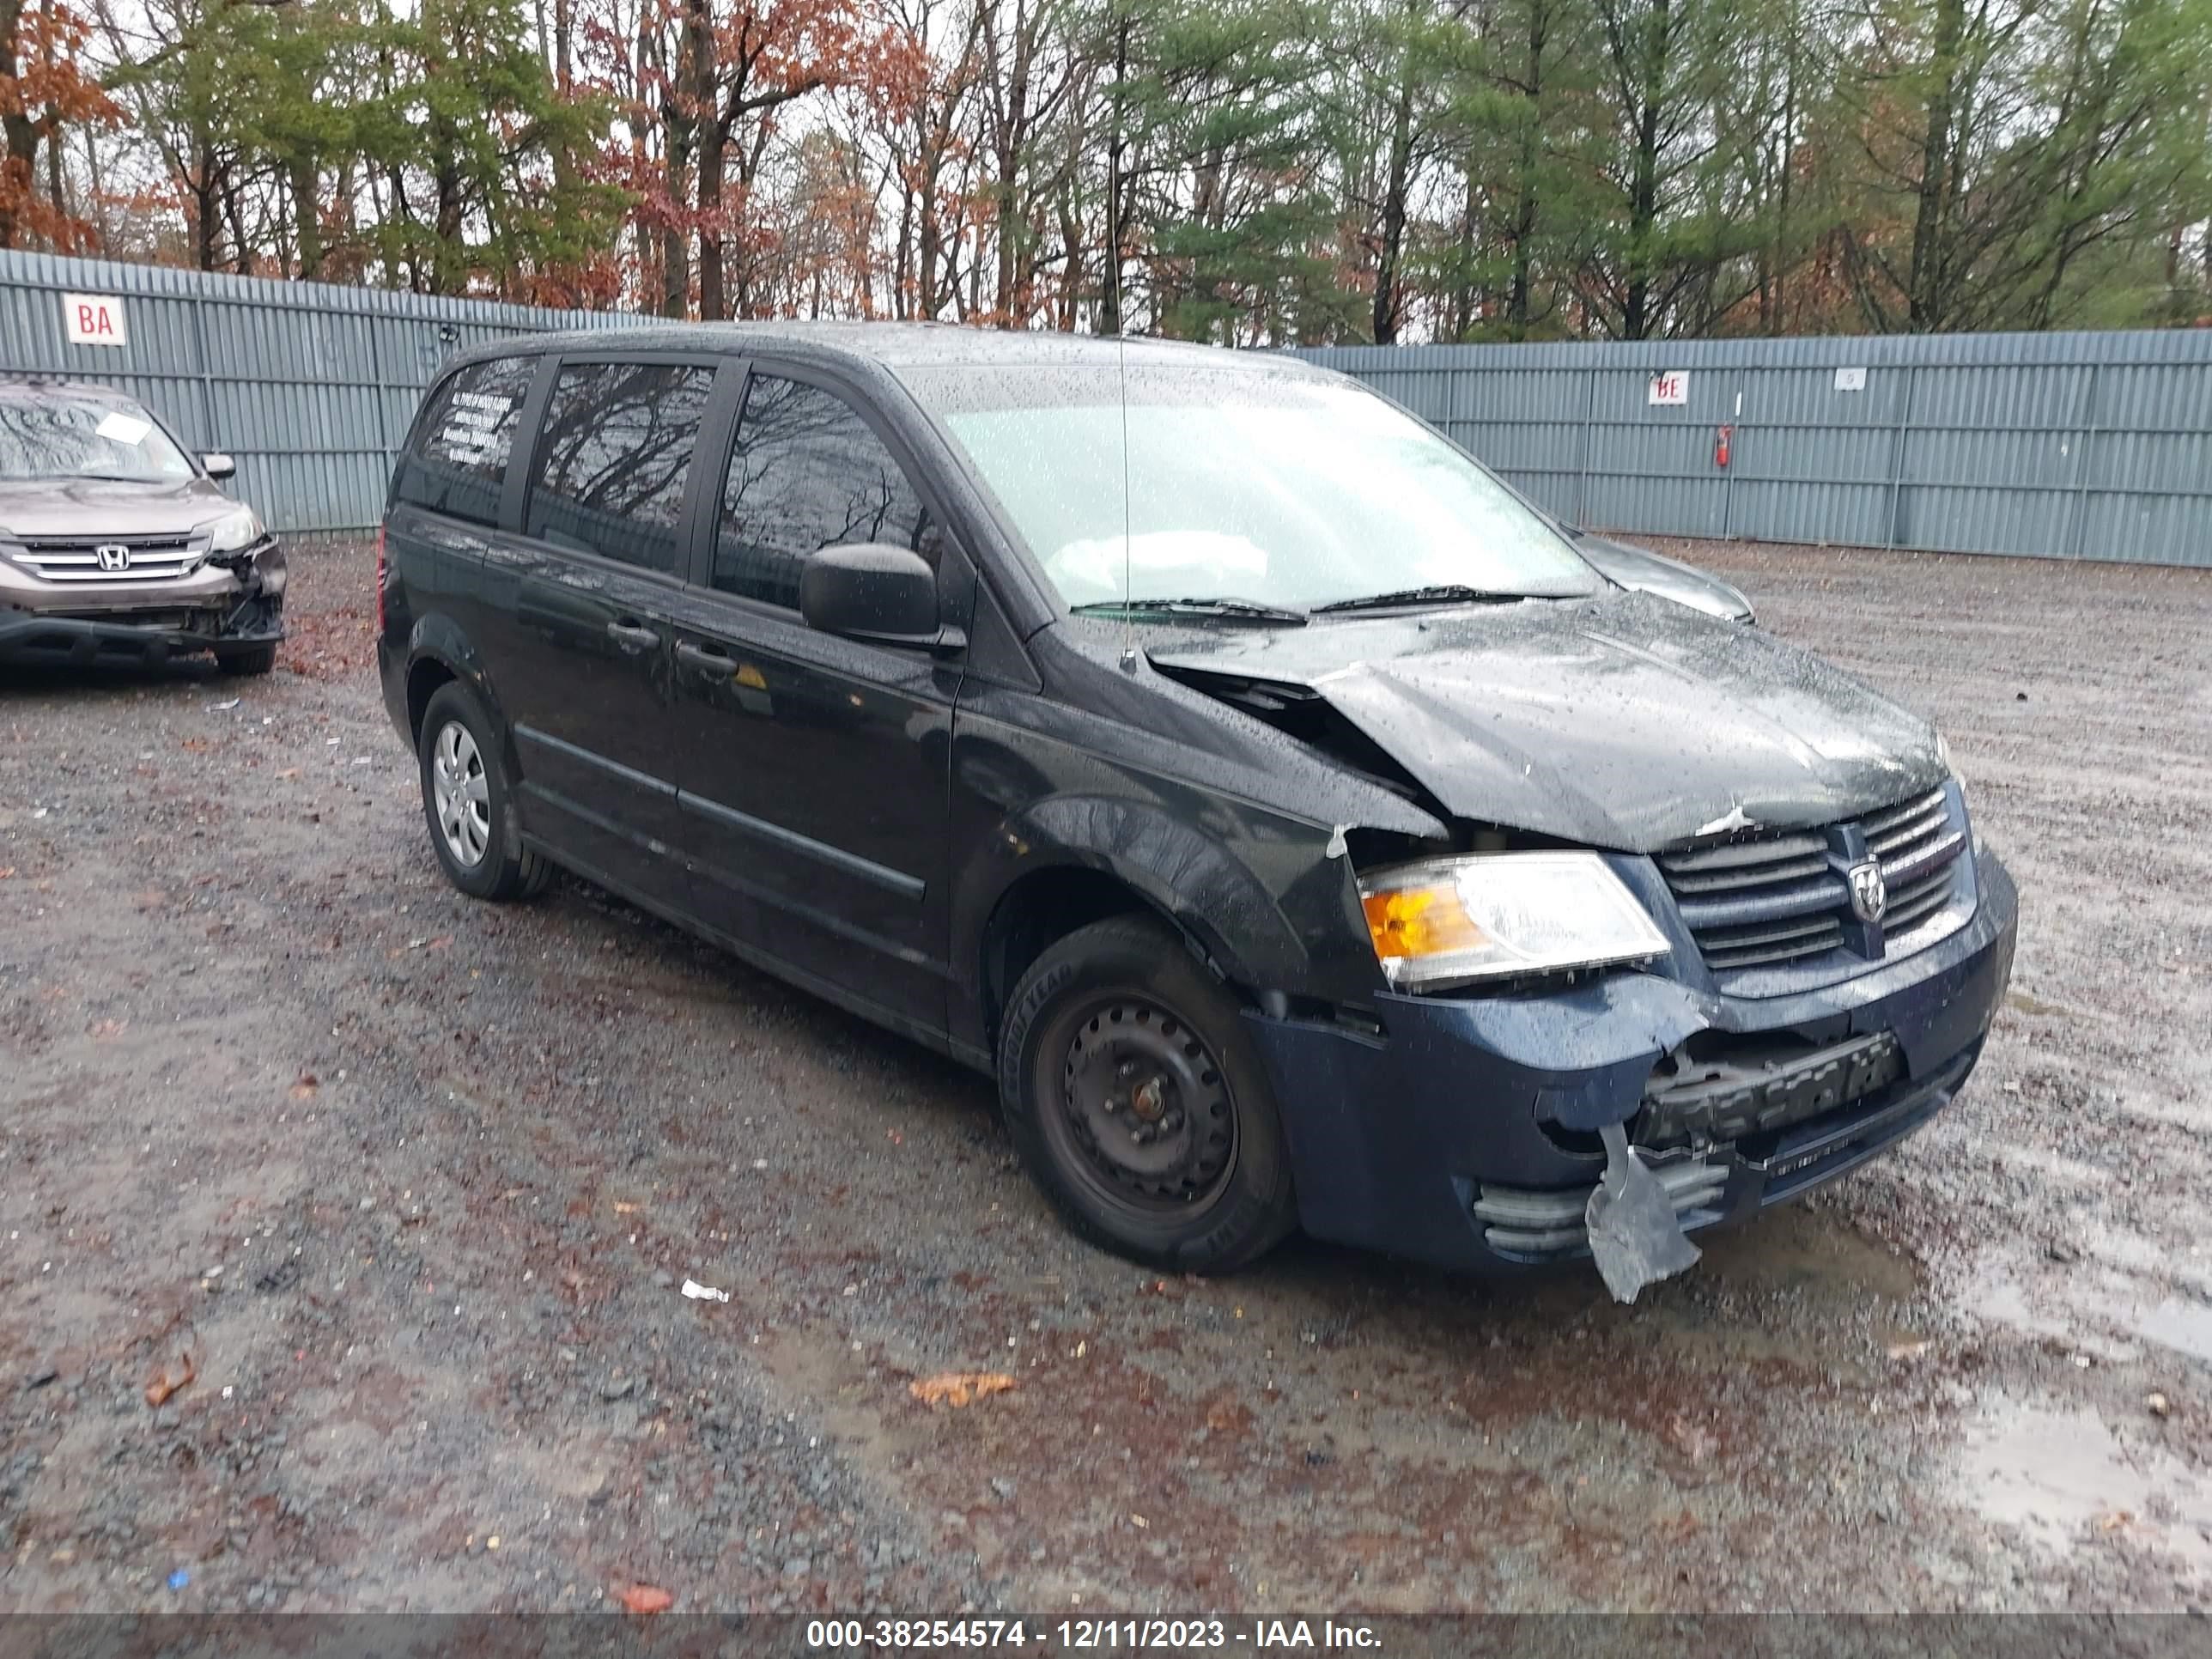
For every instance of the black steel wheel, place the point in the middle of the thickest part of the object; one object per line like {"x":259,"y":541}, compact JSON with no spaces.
{"x":1138,"y":1104}
{"x":1143,"y":1106}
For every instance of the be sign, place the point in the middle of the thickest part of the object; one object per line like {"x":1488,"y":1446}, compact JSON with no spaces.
{"x":94,"y":319}
{"x":1670,"y":390}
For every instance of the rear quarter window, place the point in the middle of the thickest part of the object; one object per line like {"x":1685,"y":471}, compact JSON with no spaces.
{"x":457,"y":464}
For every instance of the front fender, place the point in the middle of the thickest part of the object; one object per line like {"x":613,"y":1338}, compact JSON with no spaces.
{"x":1265,"y":901}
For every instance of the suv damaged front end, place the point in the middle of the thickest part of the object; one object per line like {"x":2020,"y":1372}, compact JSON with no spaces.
{"x":1710,"y":927}
{"x":85,"y":598}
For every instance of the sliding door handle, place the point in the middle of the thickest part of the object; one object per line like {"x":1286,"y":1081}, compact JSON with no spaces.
{"x":705,"y":658}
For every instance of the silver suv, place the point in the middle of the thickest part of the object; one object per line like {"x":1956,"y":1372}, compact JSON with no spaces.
{"x":116,"y":544}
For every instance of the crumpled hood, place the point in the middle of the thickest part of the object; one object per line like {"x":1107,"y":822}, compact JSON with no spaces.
{"x":1623,"y":721}
{"x":97,"y":507}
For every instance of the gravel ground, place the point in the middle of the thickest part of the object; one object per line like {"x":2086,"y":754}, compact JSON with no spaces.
{"x":413,"y":1182}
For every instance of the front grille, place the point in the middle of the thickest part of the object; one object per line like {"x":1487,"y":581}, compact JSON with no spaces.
{"x":1917,"y":844}
{"x":77,"y":558}
{"x":1773,"y":897}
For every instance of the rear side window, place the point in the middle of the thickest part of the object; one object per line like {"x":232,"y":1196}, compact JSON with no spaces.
{"x":459,"y":462}
{"x":806,"y":473}
{"x":613,"y":458}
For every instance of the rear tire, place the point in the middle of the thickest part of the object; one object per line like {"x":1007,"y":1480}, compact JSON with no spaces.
{"x":1139,"y":1103}
{"x":468,"y":800}
{"x":246,"y":659}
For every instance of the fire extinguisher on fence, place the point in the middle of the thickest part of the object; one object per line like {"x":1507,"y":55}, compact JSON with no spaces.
{"x":1721,"y":445}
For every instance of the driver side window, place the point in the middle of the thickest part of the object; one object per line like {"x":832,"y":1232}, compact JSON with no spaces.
{"x":806,"y":473}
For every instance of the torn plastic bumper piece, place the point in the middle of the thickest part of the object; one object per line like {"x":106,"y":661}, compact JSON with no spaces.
{"x":1635,"y":1237}
{"x":31,"y":638}
{"x":1705,"y":1188}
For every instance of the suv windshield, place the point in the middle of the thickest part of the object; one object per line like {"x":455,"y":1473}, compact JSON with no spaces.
{"x":50,"y":435}
{"x":1271,"y":487}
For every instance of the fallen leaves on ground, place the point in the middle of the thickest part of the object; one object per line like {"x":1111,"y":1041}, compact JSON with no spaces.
{"x":645,"y":1598}
{"x":169,"y":1379}
{"x":306,"y":1087}
{"x":958,"y":1388}
{"x":1693,"y":1441}
{"x":328,"y":644}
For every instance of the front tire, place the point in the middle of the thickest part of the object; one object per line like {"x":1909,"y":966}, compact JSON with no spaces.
{"x":468,"y":801}
{"x":246,"y":659}
{"x":1138,"y":1104}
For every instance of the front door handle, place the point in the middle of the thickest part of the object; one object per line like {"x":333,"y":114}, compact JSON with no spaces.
{"x":632,"y":637}
{"x":704,"y":658}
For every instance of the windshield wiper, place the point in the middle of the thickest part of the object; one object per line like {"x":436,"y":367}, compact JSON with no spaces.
{"x":1441,"y":593}
{"x":1256,"y":609}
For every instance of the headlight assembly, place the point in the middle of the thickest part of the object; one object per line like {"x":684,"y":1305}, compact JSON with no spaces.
{"x":1445,"y":922}
{"x":1950,"y":762}
{"x":240,"y":527}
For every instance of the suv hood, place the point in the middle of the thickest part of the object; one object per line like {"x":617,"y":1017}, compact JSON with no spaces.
{"x":88,"y":507}
{"x":1624,"y":721}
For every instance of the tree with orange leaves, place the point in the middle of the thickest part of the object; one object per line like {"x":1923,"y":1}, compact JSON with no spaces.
{"x":43,"y":90}
{"x":736,"y":66}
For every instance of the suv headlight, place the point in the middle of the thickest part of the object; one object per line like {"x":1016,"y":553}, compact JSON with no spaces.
{"x":1495,"y":915}
{"x":240,"y":527}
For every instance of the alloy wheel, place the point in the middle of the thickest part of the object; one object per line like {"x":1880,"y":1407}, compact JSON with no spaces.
{"x":460,"y":794}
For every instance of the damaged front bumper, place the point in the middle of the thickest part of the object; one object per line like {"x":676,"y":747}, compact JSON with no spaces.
{"x":229,"y":601}
{"x":1470,"y":1131}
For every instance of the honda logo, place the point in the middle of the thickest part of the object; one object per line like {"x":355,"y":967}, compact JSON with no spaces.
{"x":112,"y":555}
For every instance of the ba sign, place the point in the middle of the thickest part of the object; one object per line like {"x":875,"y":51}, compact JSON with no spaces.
{"x":1670,"y":390}
{"x":94,"y":319}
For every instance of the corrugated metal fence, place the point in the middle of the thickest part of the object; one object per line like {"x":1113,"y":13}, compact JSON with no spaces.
{"x":2093,"y":445}
{"x":2074,"y":446}
{"x":309,"y":384}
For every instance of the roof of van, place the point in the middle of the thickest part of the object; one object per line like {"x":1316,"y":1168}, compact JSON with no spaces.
{"x":902,"y":345}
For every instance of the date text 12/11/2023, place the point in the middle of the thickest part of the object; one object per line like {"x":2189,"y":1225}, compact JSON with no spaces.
{"x":1127,"y":1635}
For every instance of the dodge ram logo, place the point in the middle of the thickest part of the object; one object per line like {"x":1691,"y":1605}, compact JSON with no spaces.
{"x":112,"y":556}
{"x":1869,"y":894}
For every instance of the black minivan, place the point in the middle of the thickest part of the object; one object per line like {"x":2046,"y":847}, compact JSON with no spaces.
{"x":1299,"y":829}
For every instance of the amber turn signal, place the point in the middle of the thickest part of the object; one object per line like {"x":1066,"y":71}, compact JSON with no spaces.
{"x":1411,"y":922}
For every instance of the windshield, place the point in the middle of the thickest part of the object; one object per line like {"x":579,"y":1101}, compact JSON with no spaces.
{"x":1267,"y":488}
{"x":58,"y":436}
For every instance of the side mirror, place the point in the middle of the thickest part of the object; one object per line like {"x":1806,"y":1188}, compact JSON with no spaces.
{"x":871,"y":591}
{"x":218,"y":465}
